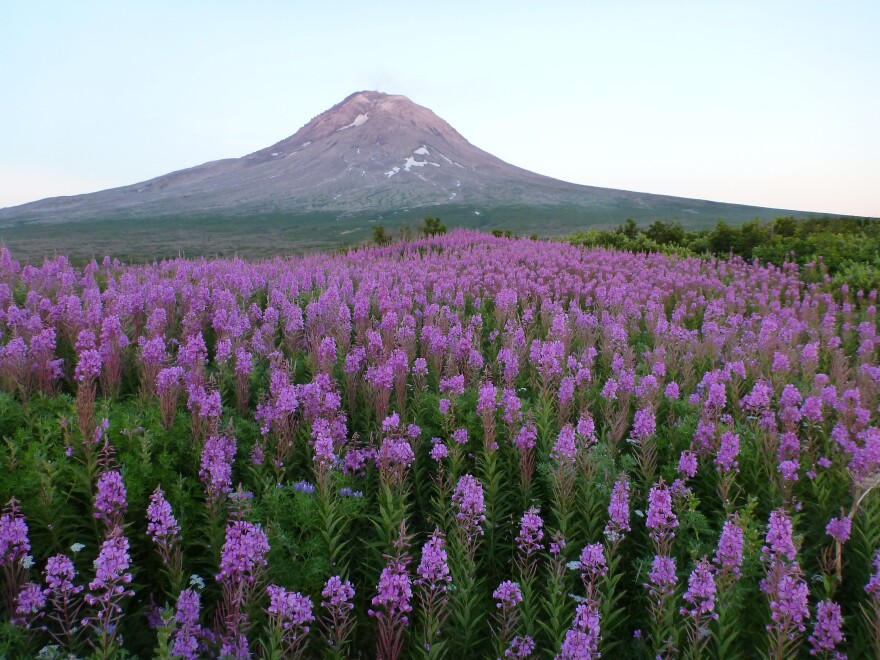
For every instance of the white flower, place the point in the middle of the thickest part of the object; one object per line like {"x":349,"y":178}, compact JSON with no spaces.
{"x":196,"y":581}
{"x":76,"y":547}
{"x":50,"y":651}
{"x":27,"y":562}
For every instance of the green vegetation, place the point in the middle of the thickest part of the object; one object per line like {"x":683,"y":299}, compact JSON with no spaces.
{"x":846,"y":250}
{"x":381,"y":235}
{"x":269,"y":234}
{"x":431,"y":226}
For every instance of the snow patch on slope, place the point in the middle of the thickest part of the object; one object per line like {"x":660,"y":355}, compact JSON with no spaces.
{"x":412,"y":162}
{"x":358,"y":121}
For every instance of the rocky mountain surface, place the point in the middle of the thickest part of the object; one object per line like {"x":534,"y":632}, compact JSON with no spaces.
{"x":373,"y":153}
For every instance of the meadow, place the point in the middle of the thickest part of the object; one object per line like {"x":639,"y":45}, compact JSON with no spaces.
{"x":263,"y":235}
{"x":460,"y":446}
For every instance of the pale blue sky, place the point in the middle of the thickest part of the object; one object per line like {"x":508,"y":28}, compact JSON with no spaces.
{"x":767,"y":103}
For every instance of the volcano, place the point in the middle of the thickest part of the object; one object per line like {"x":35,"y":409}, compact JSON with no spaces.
{"x":371,"y":155}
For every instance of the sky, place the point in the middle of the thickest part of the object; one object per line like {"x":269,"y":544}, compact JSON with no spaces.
{"x":767,"y":103}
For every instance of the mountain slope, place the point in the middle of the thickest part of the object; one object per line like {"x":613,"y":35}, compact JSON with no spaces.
{"x":368,"y":156}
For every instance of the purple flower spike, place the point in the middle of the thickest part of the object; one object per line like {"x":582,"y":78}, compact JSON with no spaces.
{"x":433,"y":570}
{"x":839,"y":528}
{"x":507,"y":594}
{"x":701,"y":591}
{"x":582,"y":640}
{"x":828,"y":631}
{"x":187,"y":632}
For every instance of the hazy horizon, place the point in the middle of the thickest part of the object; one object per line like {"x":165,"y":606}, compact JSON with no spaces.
{"x":765,"y":105}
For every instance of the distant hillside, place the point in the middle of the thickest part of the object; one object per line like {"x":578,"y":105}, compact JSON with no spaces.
{"x":373,"y":158}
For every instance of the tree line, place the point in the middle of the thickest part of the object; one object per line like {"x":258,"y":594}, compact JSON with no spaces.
{"x":431,"y":226}
{"x":844,"y":249}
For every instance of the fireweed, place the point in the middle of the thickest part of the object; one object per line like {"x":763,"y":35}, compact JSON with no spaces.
{"x":108,"y":589}
{"x":784,"y":586}
{"x":432,"y":587}
{"x":14,"y":548}
{"x":699,"y":608}
{"x":658,"y":410}
{"x":338,"y":621}
{"x":508,"y":597}
{"x":662,"y":581}
{"x":470,"y":506}
{"x":728,"y":563}
{"x":616,"y":529}
{"x":529,"y":542}
{"x":289,"y":617}
{"x":392,"y":604}
{"x":62,"y":596}
{"x":163,"y":529}
{"x":88,"y":369}
{"x":552,"y":594}
{"x":188,"y":633}
{"x":582,"y":640}
{"x":242,"y":567}
{"x":592,"y":567}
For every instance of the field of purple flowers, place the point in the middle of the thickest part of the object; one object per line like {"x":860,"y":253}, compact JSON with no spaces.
{"x":466,"y":446}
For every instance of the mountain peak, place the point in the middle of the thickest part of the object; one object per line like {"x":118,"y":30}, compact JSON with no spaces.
{"x":371,"y":96}
{"x":359,"y":108}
